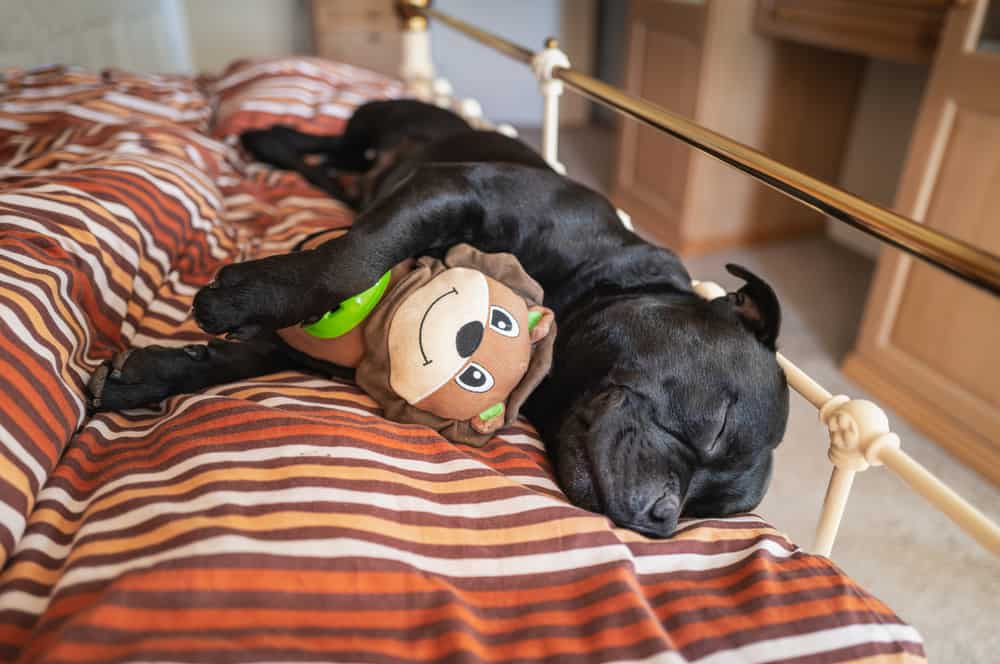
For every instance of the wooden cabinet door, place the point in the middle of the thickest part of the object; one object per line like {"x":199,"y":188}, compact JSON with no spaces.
{"x":663,"y":65}
{"x":900,"y":30}
{"x":702,"y":60}
{"x":929,"y":345}
{"x":365,"y":33}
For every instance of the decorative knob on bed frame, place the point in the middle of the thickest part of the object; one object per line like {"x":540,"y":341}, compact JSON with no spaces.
{"x":859,"y":430}
{"x":408,"y":14}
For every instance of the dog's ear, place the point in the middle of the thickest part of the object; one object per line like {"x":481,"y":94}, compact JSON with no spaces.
{"x":756,"y":305}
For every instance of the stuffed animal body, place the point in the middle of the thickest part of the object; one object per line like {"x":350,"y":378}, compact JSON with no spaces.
{"x":456,"y":344}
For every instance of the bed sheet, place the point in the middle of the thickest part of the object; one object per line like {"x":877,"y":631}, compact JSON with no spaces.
{"x":280,"y":518}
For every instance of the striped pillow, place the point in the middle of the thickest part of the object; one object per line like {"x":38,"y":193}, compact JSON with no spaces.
{"x":59,"y":96}
{"x":313,"y":95}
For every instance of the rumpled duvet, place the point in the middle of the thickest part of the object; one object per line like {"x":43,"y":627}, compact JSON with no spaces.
{"x":281,"y":518}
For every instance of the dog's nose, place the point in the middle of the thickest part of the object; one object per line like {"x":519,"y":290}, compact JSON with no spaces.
{"x":660,"y":519}
{"x":665,"y":509}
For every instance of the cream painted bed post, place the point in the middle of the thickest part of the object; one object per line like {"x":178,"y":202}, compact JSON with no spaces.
{"x":834,"y":502}
{"x":847,"y":460}
{"x":853,"y":427}
{"x":542,"y":64}
{"x":859,"y":438}
{"x":417,"y":68}
{"x":858,"y":429}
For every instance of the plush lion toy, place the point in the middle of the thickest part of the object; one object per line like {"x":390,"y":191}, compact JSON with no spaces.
{"x":457,"y":345}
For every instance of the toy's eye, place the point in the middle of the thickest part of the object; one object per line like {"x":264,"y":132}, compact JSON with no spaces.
{"x":475,"y":378}
{"x":502,"y":322}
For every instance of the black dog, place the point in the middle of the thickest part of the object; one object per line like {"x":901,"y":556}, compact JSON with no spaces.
{"x":659,"y":403}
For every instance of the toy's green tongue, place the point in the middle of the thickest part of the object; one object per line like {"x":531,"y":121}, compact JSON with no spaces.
{"x":491,"y":412}
{"x":533,"y":318}
{"x":350,"y":313}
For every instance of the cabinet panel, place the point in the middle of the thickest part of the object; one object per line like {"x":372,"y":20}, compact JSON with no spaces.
{"x":950,"y":327}
{"x":662,"y":65}
{"x":901,"y":30}
{"x":365,"y":33}
{"x":703,"y":61}
{"x":928,"y":343}
{"x":668,"y":78}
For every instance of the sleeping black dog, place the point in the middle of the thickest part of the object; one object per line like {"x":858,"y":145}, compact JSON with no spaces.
{"x":659,"y":403}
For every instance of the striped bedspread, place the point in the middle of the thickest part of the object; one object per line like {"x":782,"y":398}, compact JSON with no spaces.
{"x":280,"y":518}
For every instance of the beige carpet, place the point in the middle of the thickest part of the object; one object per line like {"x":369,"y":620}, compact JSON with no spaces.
{"x":891,"y":542}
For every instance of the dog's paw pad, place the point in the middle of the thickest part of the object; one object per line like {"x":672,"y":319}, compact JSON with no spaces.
{"x":95,"y":387}
{"x":133,"y":377}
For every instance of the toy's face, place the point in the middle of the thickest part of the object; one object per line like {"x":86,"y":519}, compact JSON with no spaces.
{"x":459,"y":344}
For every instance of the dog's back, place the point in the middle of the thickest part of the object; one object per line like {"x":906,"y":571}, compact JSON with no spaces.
{"x":383,"y":126}
{"x":470,"y":146}
{"x":377,"y":136}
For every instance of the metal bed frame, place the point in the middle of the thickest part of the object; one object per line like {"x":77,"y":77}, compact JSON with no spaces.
{"x":859,"y":431}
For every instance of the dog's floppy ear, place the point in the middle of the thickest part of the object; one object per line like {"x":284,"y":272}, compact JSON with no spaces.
{"x":756,"y":305}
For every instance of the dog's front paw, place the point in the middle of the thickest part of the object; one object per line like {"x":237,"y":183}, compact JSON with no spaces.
{"x":127,"y":380}
{"x":248,"y":298}
{"x":226,"y":306}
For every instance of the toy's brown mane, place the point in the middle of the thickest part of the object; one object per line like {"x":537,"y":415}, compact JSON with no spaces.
{"x":373,"y":371}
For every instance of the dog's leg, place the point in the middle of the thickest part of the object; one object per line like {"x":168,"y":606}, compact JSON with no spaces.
{"x":140,"y":376}
{"x":286,"y":148}
{"x":295,"y":140}
{"x":557,"y":229}
{"x":249,"y":298}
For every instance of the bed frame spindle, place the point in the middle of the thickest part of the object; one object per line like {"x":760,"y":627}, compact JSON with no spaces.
{"x":543,"y":63}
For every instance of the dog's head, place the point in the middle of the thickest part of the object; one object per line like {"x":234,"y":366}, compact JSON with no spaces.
{"x":683,"y":404}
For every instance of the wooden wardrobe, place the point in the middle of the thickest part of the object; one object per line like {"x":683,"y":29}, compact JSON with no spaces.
{"x":929,"y":346}
{"x":705,"y":61}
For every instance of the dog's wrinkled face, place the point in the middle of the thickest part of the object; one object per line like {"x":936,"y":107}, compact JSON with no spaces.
{"x":684,"y":404}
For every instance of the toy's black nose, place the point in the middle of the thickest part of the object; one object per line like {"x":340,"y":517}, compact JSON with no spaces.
{"x":468,"y":338}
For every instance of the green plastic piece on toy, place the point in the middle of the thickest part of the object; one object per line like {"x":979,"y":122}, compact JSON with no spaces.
{"x":350,"y":313}
{"x":491,"y":412}
{"x":533,"y":318}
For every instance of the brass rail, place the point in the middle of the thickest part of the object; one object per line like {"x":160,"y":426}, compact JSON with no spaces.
{"x":974,"y":265}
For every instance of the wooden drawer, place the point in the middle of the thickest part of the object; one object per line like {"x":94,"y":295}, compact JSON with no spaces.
{"x":365,"y":33}
{"x":376,"y":50}
{"x":377,"y":15}
{"x":900,"y":30}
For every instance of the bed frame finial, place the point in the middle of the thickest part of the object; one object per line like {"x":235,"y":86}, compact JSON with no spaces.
{"x":543,"y":63}
{"x":859,"y":430}
{"x":417,"y":67}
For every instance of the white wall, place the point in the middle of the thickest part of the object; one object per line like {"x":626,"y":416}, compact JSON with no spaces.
{"x":188,"y":36}
{"x":223,"y":30}
{"x":139,"y":35}
{"x":884,"y":119}
{"x":507,"y":89}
